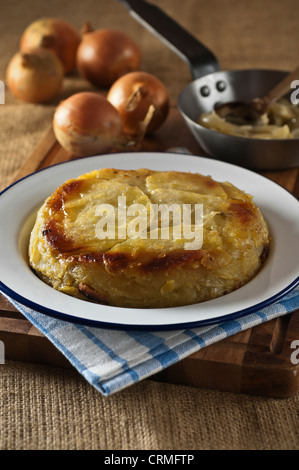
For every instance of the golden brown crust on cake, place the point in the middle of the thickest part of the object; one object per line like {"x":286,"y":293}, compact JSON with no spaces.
{"x":151,"y":272}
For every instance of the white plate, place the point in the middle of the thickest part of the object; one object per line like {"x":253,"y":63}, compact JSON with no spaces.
{"x":19,"y":202}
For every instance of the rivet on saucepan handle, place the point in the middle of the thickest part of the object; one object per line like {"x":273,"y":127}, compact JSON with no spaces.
{"x":221,"y":85}
{"x":200,"y":59}
{"x":205,"y":91}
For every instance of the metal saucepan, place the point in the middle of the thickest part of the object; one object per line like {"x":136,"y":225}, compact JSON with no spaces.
{"x":211,"y":86}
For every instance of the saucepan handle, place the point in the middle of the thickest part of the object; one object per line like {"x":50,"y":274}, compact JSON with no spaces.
{"x":200,"y":59}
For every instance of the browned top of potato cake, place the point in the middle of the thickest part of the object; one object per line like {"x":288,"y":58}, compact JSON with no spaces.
{"x":138,"y":262}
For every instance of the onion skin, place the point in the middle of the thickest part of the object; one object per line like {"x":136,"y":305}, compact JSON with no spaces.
{"x":105,"y":55}
{"x":133,"y":94}
{"x":87,"y":124}
{"x":56,"y":35}
{"x":35,"y":76}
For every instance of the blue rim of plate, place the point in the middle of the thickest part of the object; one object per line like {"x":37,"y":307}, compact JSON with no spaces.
{"x":161,"y":327}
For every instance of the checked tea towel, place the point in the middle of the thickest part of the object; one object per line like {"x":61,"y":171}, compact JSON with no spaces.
{"x":111,"y":360}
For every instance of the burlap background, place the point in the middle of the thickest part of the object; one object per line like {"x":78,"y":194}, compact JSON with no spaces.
{"x":49,"y":408}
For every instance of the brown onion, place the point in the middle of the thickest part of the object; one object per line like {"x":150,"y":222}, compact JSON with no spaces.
{"x":35,"y":76}
{"x":105,"y":55}
{"x":86,"y":124}
{"x":57,"y":35}
{"x":133,"y":95}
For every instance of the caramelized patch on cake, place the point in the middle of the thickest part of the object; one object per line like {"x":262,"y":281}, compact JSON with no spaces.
{"x":172,"y":260}
{"x":57,"y":238}
{"x":70,"y":189}
{"x":243,"y":211}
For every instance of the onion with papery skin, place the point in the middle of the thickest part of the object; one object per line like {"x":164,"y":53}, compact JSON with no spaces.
{"x":133,"y":95}
{"x":87,"y":124}
{"x":105,"y":55}
{"x":35,"y":76}
{"x":54,"y":34}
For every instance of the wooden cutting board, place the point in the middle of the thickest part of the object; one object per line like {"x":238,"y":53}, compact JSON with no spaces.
{"x":257,"y":361}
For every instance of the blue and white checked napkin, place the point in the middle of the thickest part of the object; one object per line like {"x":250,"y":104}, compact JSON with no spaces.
{"x":111,"y":360}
